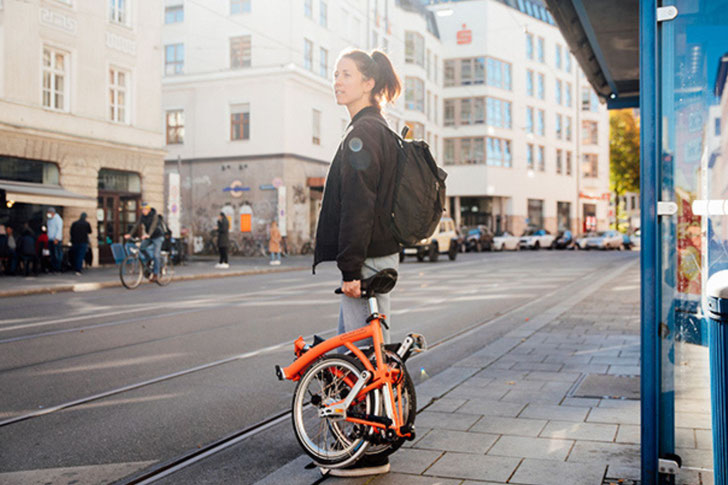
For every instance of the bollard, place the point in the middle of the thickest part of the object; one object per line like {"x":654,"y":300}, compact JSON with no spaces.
{"x":717,"y":311}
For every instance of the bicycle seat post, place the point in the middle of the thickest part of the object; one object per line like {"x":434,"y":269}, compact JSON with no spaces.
{"x":373,"y":306}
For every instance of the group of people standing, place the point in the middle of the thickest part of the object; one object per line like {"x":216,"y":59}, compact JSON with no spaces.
{"x":28,"y":251}
{"x":223,"y":242}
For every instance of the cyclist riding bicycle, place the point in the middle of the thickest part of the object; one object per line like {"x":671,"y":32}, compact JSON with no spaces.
{"x":152,"y":235}
{"x":352,"y":228}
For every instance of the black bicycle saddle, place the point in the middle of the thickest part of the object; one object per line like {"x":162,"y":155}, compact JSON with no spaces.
{"x":381,"y":282}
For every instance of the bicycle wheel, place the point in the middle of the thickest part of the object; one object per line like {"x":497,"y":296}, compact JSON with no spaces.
{"x":165,"y":272}
{"x":130,"y":272}
{"x":330,"y":442}
{"x":404,"y":392}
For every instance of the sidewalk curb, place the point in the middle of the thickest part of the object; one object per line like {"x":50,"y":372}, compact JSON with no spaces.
{"x":82,"y":287}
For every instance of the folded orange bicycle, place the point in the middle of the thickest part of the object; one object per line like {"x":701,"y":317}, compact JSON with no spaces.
{"x":360,"y":402}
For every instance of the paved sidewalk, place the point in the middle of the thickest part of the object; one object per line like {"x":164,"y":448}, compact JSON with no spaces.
{"x":108,"y":276}
{"x":507,"y":413}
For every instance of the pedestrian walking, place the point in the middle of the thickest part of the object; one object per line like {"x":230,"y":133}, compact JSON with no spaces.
{"x":79,"y":242}
{"x":274,"y":244}
{"x":223,"y":240}
{"x":352,"y":228}
{"x":55,"y":238}
{"x":152,"y":235}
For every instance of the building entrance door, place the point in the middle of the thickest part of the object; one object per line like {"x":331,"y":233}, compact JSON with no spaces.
{"x":116,"y":215}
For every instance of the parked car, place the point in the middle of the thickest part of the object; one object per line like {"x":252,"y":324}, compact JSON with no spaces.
{"x":636,"y":238}
{"x":478,"y":238}
{"x":537,"y":238}
{"x":506,"y":240}
{"x":603,"y":240}
{"x":443,"y":241}
{"x":564,"y":240}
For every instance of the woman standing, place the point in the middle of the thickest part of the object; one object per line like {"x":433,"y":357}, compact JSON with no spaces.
{"x":353,"y":227}
{"x":274,"y":245}
{"x":223,"y":240}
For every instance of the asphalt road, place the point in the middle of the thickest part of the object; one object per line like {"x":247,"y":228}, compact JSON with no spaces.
{"x":98,"y":386}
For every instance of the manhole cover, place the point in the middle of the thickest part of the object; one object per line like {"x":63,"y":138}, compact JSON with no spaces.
{"x":605,"y":386}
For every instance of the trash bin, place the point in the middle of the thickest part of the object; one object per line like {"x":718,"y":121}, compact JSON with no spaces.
{"x":717,"y":310}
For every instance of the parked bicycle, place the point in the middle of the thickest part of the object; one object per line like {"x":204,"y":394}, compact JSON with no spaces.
{"x":138,"y":264}
{"x":361,"y":402}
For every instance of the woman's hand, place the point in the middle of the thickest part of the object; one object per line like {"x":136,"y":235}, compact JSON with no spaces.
{"x":352,"y":288}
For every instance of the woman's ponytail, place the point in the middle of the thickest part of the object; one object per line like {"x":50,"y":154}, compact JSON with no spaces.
{"x":388,"y":85}
{"x":377,"y":66}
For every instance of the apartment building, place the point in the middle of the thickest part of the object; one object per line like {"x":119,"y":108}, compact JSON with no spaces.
{"x":80,"y":111}
{"x":520,"y":146}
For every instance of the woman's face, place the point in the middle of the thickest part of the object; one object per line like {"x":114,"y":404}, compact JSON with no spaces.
{"x":349,"y":83}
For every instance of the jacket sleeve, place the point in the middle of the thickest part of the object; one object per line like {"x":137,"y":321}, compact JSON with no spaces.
{"x":360,"y":169}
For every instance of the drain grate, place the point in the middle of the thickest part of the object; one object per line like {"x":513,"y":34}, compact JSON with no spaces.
{"x":603,"y":386}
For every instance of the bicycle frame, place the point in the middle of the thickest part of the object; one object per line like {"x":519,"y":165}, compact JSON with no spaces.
{"x":380,"y":376}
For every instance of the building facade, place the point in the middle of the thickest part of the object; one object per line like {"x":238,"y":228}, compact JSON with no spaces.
{"x":525,"y":138}
{"x":80,"y":99}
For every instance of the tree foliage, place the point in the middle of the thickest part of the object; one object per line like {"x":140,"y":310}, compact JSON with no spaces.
{"x":624,"y":154}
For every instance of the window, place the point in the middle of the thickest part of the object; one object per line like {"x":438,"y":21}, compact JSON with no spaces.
{"x":307,"y":55}
{"x":28,"y":170}
{"x":559,"y":161}
{"x":529,"y":120}
{"x":55,"y":79}
{"x":466,"y":71}
{"x":308,"y":8}
{"x":499,"y":74}
{"x":478,"y":111}
{"x":175,"y":127}
{"x":568,"y":128}
{"x":589,"y":100}
{"x":118,"y":100}
{"x":434,"y":111}
{"x":567,"y":94}
{"x":240,"y":6}
{"x":529,"y":156}
{"x":529,"y":46}
{"x":558,"y":56}
{"x":240,"y":52}
{"x":568,"y":163}
{"x":414,"y":48}
{"x":567,"y":60}
{"x":449,"y":73}
{"x":449,"y":112}
{"x":529,"y":82}
{"x":119,"y":12}
{"x":559,"y":89}
{"x":541,"y":125}
{"x":589,"y":132}
{"x":541,"y":159}
{"x":323,"y":62}
{"x":323,"y":14}
{"x":428,"y":105}
{"x":429,"y":64}
{"x":435,"y":68}
{"x":465,"y":111}
{"x":558,"y":126}
{"x":174,"y":14}
{"x":449,"y":152}
{"x":174,"y":59}
{"x":498,"y":152}
{"x":240,"y":122}
{"x":479,"y":70}
{"x":589,"y":165}
{"x":414,"y":94}
{"x":316,"y":131}
{"x":540,"y":50}
{"x":541,"y":87}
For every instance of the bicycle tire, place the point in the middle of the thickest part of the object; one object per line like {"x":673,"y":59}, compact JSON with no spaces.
{"x":165,"y":272}
{"x":319,"y":372}
{"x":130,"y":272}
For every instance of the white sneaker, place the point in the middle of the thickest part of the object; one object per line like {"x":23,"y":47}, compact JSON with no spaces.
{"x":224,"y":265}
{"x":355,"y":471}
{"x":277,"y":262}
{"x":218,"y":265}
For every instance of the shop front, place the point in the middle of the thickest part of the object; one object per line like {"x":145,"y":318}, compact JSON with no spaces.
{"x":119,"y":206}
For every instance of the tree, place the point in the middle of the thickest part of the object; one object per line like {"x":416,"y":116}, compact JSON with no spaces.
{"x":624,"y":155}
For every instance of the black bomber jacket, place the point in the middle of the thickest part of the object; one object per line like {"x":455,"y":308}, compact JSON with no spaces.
{"x":354,"y":220}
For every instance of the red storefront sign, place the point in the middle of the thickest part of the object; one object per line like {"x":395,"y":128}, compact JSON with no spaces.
{"x":465,"y":36}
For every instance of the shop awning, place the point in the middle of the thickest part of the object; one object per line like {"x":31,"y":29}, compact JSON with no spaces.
{"x":44,"y":194}
{"x":604,"y":38}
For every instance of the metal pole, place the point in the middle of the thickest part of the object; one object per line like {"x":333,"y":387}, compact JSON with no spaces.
{"x":717,"y":310}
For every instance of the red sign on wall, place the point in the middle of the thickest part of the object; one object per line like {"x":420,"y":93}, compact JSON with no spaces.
{"x":465,"y":36}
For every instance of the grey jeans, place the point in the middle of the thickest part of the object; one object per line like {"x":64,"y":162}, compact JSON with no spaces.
{"x":353,"y":312}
